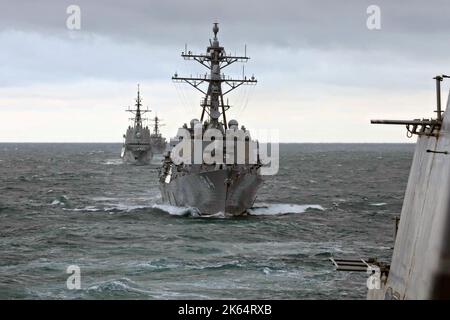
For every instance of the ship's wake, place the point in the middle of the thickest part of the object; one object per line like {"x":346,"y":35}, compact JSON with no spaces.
{"x":114,"y":162}
{"x":178,"y":211}
{"x":275,"y":209}
{"x":261,"y":209}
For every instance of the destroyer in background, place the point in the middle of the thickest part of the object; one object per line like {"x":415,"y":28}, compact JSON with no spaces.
{"x":420,"y":266}
{"x":136,"y":148}
{"x":228,"y":188}
{"x":157,"y":141}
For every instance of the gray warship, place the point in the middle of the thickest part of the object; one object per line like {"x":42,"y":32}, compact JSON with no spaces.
{"x":227,"y":188}
{"x":157,"y":141}
{"x":420,"y":264}
{"x":136,"y":148}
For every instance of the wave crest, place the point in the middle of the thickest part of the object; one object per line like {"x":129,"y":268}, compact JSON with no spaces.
{"x":275,"y":209}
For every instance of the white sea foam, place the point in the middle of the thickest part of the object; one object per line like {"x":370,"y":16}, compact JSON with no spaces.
{"x":215,"y":215}
{"x":60,"y":201}
{"x":113,"y":162}
{"x":262,"y":209}
{"x":274,"y":209}
{"x":88,"y":208}
{"x":118,"y":285}
{"x":127,"y":207}
{"x":178,"y":211}
{"x":103,"y":199}
{"x":56,"y":202}
{"x":111,"y":207}
{"x":378,"y":204}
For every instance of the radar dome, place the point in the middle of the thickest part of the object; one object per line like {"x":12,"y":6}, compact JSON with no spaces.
{"x":194,"y":122}
{"x":233,"y":124}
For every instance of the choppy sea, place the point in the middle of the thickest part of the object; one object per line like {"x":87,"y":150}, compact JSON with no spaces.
{"x":77,"y":204}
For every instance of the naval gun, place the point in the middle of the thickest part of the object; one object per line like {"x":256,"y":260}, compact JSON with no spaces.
{"x":428,"y":127}
{"x":419,"y":265}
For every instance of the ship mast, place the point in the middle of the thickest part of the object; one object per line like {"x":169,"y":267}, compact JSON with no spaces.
{"x":214,"y":60}
{"x":156,"y":128}
{"x":138,"y":112}
{"x":157,"y":123}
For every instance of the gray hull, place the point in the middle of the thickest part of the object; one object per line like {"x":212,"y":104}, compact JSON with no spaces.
{"x":158,"y":149}
{"x":420,"y":267}
{"x":137,"y":157}
{"x":223,"y":190}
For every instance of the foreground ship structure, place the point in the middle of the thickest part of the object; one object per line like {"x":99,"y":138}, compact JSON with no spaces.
{"x":420,"y":265}
{"x":136,"y":148}
{"x":225,"y":186}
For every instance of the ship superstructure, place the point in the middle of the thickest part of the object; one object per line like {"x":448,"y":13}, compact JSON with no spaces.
{"x":136,"y":148}
{"x":157,"y":141}
{"x":224,"y":185}
{"x":420,"y":266}
{"x":420,"y":262}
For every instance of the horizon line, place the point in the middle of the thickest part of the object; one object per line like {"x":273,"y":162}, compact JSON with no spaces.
{"x":114,"y":142}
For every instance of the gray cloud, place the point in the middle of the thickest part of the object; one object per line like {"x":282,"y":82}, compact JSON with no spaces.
{"x":416,"y":31}
{"x":282,"y":22}
{"x":301,"y":50}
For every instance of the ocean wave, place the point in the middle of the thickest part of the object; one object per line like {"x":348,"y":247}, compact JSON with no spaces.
{"x":114,"y":162}
{"x":158,"y":265}
{"x":60,"y":201}
{"x":104,"y":199}
{"x":178,"y":211}
{"x":128,"y":207}
{"x":380,"y":204}
{"x":165,"y":265}
{"x":218,"y":265}
{"x":259,"y":210}
{"x":275,"y":209}
{"x":120,"y":207}
{"x":123,"y":285}
{"x":87,"y":208}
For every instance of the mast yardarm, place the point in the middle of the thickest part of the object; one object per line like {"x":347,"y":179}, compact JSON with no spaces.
{"x":215,"y":59}
{"x":138,"y":112}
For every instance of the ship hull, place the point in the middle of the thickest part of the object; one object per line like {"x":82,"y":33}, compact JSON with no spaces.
{"x":137,"y":157}
{"x":158,"y":145}
{"x":157,"y":149}
{"x":225,"y":190}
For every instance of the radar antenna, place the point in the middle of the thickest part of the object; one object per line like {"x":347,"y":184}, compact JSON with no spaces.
{"x":215,"y":60}
{"x":138,"y":112}
{"x":156,"y":125}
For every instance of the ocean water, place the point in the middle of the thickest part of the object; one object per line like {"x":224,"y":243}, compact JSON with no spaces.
{"x":77,"y":204}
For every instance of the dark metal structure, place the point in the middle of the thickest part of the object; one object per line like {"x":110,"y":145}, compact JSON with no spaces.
{"x":427,"y":127}
{"x":136,"y":148}
{"x":229,"y":188}
{"x":157,"y":141}
{"x":215,"y":60}
{"x":419,"y":268}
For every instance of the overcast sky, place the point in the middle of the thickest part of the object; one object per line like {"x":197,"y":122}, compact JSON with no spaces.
{"x":322,"y":74}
